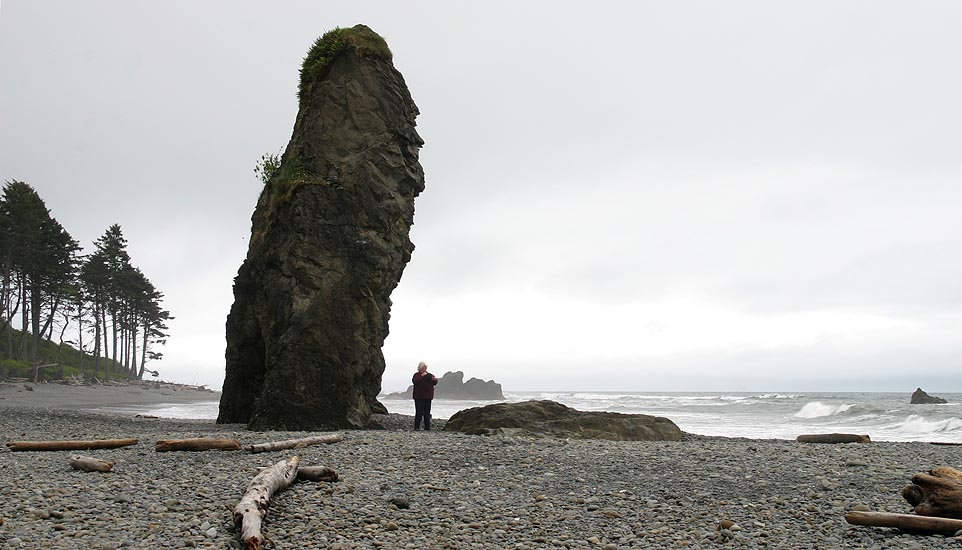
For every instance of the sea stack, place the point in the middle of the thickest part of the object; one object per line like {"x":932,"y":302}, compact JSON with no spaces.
{"x":919,"y":397}
{"x":329,"y":242}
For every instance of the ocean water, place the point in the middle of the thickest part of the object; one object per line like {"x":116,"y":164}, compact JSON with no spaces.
{"x":883,"y":416}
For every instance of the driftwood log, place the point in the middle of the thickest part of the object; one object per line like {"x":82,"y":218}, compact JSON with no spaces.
{"x":252,"y":508}
{"x":316,"y":473}
{"x":90,"y":464}
{"x":905,"y":522}
{"x":197,"y":444}
{"x":937,"y":492}
{"x":833,"y":438}
{"x":70,"y":445}
{"x":295,"y":443}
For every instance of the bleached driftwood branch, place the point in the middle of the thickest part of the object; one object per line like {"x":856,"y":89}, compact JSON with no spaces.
{"x":250,"y":511}
{"x":906,"y":522}
{"x":90,"y":464}
{"x":69,"y":445}
{"x":294,"y":443}
{"x":197,"y":444}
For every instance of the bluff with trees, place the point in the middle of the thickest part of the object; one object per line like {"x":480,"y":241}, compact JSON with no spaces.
{"x":98,"y":303}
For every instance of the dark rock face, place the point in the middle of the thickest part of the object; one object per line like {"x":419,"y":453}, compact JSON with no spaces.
{"x":329,"y":243}
{"x":453,"y":386}
{"x":556,"y":420}
{"x":919,"y":397}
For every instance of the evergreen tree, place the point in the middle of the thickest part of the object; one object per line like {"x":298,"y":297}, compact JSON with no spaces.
{"x":41,"y":257}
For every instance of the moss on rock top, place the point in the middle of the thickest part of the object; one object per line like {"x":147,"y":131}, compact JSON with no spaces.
{"x":361,"y":38}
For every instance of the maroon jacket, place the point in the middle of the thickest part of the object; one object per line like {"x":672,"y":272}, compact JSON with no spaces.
{"x":424,"y":385}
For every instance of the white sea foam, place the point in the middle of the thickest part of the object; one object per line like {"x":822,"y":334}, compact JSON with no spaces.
{"x":816,"y":409}
{"x":885,"y":417}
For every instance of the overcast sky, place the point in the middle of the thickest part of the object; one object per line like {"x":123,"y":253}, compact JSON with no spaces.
{"x":619,"y":196}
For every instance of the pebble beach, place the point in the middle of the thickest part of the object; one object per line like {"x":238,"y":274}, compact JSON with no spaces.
{"x":404,"y":489}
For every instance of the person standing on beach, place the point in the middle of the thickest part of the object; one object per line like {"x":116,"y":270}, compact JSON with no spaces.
{"x":424,"y":383}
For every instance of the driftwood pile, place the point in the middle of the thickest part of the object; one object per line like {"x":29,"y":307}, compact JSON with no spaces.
{"x":249,"y":513}
{"x":936,"y":496}
{"x":164,"y":445}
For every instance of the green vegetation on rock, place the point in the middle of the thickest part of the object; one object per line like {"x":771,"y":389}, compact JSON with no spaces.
{"x":360,"y":37}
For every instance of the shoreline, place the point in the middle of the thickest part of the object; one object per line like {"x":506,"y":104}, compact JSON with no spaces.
{"x":89,"y":397}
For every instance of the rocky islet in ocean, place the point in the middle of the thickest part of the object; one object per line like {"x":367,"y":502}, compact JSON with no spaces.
{"x":329,"y":242}
{"x":919,"y":397}
{"x":453,"y":386}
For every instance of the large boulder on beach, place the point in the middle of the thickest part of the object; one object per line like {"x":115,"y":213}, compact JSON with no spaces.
{"x":549,"y":418}
{"x":453,"y":386}
{"x":919,"y":397}
{"x":329,"y":242}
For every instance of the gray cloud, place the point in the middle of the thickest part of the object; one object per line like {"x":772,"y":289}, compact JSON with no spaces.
{"x":760,"y":164}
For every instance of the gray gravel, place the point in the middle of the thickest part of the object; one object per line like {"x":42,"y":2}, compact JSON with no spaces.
{"x":405,"y":489}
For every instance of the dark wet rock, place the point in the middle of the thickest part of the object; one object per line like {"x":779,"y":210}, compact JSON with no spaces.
{"x":329,"y":242}
{"x":919,"y":397}
{"x":453,"y":386}
{"x":554,"y":419}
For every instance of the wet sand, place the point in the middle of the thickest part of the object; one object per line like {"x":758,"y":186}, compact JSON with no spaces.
{"x":61,"y":396}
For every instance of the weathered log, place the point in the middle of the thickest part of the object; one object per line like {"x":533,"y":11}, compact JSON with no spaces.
{"x":197,"y":444}
{"x":252,"y":508}
{"x":906,"y":522}
{"x":295,"y":443}
{"x":90,"y":464}
{"x":316,"y":473}
{"x":70,"y":445}
{"x":936,"y":493}
{"x":833,"y":438}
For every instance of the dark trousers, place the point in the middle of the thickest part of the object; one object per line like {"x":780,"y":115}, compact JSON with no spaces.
{"x":422,"y":410}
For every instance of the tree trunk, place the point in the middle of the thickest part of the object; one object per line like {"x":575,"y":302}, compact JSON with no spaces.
{"x":35,"y":311}
{"x":80,"y":335}
{"x":113,"y":333}
{"x":936,"y":493}
{"x":143,"y":353}
{"x":252,"y":508}
{"x":24,"y":318}
{"x":197,"y":444}
{"x":295,"y":443}
{"x":106,"y":350}
{"x":133,"y":350}
{"x":70,"y":445}
{"x":89,"y":464}
{"x":48,"y":323}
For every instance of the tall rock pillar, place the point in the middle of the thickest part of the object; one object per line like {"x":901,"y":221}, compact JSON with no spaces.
{"x":329,"y":242}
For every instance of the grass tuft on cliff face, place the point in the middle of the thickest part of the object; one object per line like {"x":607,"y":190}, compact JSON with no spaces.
{"x":360,"y":37}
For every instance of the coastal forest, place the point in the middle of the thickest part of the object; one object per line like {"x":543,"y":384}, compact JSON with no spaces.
{"x":64,"y":313}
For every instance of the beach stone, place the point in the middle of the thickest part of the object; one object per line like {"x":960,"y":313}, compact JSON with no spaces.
{"x":724,"y":524}
{"x":400,"y":502}
{"x":545,"y":417}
